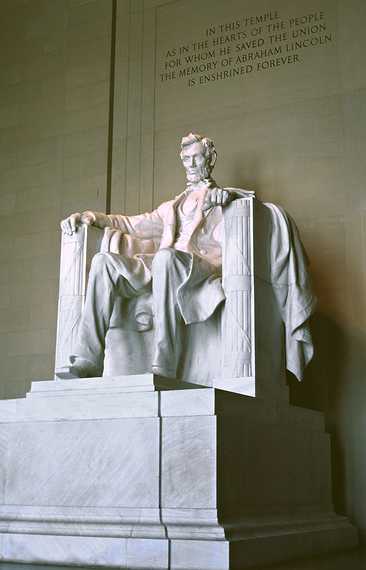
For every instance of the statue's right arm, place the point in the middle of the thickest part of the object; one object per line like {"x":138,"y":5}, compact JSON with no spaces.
{"x":146,"y":226}
{"x":71,"y":224}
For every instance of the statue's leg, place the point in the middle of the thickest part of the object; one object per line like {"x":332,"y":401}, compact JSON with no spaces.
{"x":170,"y":269}
{"x":108,"y":277}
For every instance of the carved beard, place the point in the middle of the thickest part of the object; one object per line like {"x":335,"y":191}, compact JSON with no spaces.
{"x":201,"y":173}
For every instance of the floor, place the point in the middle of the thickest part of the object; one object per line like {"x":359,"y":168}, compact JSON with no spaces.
{"x":354,"y":560}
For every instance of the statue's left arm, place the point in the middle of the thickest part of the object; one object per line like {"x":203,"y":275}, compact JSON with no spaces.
{"x":217,"y":196}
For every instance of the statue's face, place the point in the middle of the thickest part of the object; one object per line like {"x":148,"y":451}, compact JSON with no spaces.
{"x":195,"y":162}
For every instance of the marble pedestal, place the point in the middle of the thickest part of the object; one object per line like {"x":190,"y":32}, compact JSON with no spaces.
{"x":112,"y":472}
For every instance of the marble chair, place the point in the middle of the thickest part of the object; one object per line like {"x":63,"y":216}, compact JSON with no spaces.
{"x":222,"y":352}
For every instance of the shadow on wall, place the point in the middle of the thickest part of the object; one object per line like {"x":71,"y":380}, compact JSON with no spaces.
{"x":334,"y":383}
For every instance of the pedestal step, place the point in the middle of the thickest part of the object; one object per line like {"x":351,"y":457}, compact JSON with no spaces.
{"x":114,"y":472}
{"x":164,"y":554}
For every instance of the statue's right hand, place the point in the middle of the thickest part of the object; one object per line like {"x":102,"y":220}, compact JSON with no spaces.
{"x":70,"y":225}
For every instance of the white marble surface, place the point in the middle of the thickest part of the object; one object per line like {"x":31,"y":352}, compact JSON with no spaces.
{"x":191,"y":483}
{"x":87,"y":462}
{"x":93,"y":551}
{"x":196,"y":555}
{"x":91,"y":406}
{"x":82,"y":521}
{"x":196,"y":402}
{"x":106,"y":384}
{"x":92,"y":398}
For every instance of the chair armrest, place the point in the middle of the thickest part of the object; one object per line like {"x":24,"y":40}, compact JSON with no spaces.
{"x":238,"y":284}
{"x":77,"y":252}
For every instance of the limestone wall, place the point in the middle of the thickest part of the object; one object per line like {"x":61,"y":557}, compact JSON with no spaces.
{"x":54,"y":101}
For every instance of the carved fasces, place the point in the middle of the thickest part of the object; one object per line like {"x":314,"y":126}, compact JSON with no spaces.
{"x":238,"y":316}
{"x":77,"y":251}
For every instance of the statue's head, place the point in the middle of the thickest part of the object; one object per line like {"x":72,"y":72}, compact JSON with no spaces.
{"x":198,"y":156}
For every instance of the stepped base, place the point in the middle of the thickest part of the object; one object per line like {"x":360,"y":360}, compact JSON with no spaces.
{"x":112,"y":472}
{"x":164,"y":554}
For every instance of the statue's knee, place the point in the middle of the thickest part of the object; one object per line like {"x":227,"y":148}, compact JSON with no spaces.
{"x":164,"y":257}
{"x":99,"y":262}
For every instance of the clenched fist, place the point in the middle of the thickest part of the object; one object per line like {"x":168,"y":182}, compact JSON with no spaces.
{"x":216,"y":197}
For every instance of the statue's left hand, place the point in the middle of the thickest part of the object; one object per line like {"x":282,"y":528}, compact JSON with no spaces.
{"x":216,"y":197}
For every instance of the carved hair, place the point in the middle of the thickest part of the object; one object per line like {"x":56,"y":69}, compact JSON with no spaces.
{"x":208,"y":146}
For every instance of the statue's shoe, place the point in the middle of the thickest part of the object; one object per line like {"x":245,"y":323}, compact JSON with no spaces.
{"x":159,"y":370}
{"x":83,"y":368}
